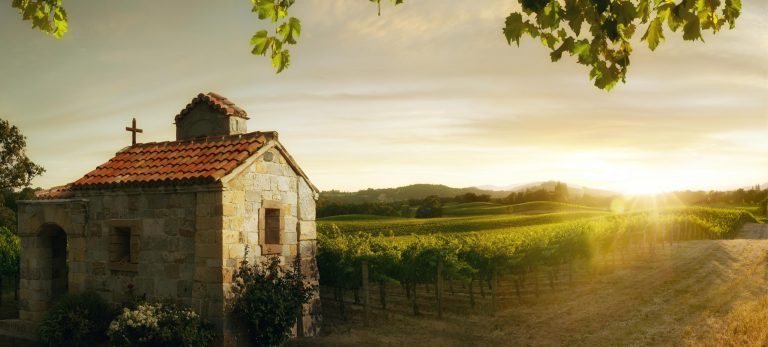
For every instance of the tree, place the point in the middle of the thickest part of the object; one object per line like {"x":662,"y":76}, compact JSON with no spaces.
{"x":431,"y":207}
{"x":561,"y":192}
{"x":596,"y":32}
{"x":10,"y":248}
{"x":7,"y":218}
{"x":16,"y":170}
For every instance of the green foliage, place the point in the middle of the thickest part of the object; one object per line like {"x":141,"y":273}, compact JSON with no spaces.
{"x":431,"y":207}
{"x":160,"y":324}
{"x":356,"y":217}
{"x":533,"y":207}
{"x":429,"y":226}
{"x":46,"y":15}
{"x":7,"y":218}
{"x":77,"y":320}
{"x":267,"y":300}
{"x":512,"y":250}
{"x":286,"y":32}
{"x":10,"y":247}
{"x":327,"y":207}
{"x":606,"y":47}
{"x":16,"y":170}
{"x":10,"y":197}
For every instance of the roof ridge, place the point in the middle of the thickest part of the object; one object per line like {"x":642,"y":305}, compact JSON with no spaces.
{"x":216,"y":138}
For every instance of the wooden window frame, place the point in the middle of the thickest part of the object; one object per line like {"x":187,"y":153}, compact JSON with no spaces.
{"x":271,"y":249}
{"x":134,"y":242}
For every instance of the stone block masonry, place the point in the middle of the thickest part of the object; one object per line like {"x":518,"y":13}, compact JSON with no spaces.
{"x":271,"y":182}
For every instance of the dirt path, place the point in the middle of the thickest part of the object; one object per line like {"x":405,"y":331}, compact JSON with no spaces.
{"x":658,"y":299}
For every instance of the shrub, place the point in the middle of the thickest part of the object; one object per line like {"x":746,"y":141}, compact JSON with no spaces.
{"x":158,"y":324}
{"x":77,"y":320}
{"x":267,"y":300}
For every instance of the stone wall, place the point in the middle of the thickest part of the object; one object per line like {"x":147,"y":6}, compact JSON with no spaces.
{"x":179,"y":248}
{"x":270,"y":181}
{"x":166,"y":256}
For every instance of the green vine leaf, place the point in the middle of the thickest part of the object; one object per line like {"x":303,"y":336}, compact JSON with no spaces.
{"x":281,"y":60}
{"x":655,"y":34}
{"x":47,"y":16}
{"x":514,"y":28}
{"x":261,"y":42}
{"x":290,"y":30}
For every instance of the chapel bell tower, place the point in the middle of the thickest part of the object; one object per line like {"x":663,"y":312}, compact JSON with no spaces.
{"x":210,"y":115}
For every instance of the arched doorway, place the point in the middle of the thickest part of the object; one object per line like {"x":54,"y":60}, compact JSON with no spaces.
{"x":53,"y":259}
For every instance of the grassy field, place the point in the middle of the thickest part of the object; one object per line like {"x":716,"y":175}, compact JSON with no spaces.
{"x":413,"y":226}
{"x":535,"y":207}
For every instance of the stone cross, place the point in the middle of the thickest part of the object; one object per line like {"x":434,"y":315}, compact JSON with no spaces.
{"x":133,"y":131}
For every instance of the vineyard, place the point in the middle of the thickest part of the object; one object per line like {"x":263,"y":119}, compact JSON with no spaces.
{"x":485,"y":208}
{"x":475,"y":254}
{"x":427,"y":226}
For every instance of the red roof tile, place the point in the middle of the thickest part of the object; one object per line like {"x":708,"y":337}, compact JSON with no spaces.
{"x":218,"y":102}
{"x":177,"y":162}
{"x":59,"y":192}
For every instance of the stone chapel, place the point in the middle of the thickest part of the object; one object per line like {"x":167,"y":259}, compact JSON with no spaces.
{"x":173,"y":220}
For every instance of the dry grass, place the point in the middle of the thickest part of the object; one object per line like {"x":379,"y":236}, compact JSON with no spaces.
{"x":746,"y":325}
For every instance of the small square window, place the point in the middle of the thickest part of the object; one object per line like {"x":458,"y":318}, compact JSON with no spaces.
{"x":124,"y":245}
{"x":120,"y":245}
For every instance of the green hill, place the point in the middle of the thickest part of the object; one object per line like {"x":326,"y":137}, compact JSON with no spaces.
{"x":414,"y":191}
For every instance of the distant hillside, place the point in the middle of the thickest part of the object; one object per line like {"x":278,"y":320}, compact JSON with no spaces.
{"x":414,"y":191}
{"x":574,"y":190}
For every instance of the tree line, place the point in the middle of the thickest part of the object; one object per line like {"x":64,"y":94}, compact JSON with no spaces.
{"x":753,"y":195}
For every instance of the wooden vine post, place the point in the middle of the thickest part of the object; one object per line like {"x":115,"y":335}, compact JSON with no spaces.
{"x":439,"y":291}
{"x":366,"y":296}
{"x":494,"y":290}
{"x":471,"y":293}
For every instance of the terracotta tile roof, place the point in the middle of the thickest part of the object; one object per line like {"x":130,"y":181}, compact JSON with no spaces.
{"x":175,"y":162}
{"x":59,"y":192}
{"x":216,"y":101}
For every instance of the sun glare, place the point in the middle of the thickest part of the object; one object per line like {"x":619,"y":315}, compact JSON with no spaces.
{"x":644,"y":188}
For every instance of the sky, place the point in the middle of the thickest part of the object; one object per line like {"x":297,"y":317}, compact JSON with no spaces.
{"x":428,"y":92}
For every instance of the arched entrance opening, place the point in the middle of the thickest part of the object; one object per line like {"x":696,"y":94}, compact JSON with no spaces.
{"x":53,"y":260}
